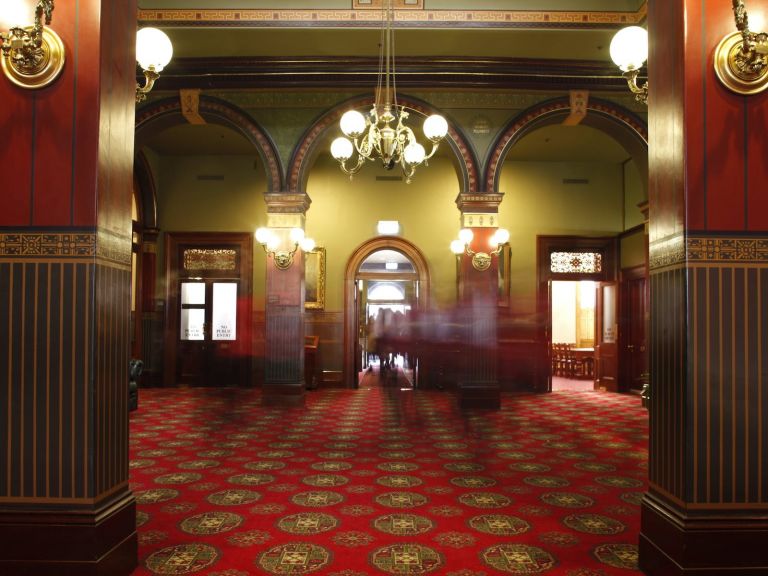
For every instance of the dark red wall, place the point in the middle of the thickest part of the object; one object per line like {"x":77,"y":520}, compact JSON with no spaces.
{"x":51,"y":136}
{"x":720,"y":166}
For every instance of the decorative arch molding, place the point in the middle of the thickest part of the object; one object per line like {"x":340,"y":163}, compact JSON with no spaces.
{"x":616,"y":121}
{"x":300,"y":164}
{"x":146,"y":193}
{"x":167,"y":113}
{"x":410,"y":251}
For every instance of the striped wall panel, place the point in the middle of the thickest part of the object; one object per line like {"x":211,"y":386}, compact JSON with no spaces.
{"x":285,"y":344}
{"x":64,"y":346}
{"x":45,"y":355}
{"x":709,"y":371}
{"x":729,"y":400}
{"x":667,"y":370}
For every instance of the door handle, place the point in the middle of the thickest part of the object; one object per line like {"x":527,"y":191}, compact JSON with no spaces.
{"x":630,"y":347}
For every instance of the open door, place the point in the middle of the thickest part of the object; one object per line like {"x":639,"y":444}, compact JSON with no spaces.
{"x":606,"y":337}
{"x":550,"y":355}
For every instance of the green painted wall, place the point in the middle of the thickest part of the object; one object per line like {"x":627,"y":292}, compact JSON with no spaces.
{"x":635,"y":192}
{"x":344,"y":214}
{"x":537,"y":202}
{"x":633,"y":249}
{"x":187,"y":203}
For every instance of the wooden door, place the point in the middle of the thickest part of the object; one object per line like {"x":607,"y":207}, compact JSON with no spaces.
{"x":606,"y":337}
{"x":634,"y":358}
{"x":209,"y":309}
{"x":208,"y":343}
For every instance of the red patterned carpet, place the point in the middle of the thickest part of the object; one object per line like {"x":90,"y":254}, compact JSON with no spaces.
{"x":384,"y":481}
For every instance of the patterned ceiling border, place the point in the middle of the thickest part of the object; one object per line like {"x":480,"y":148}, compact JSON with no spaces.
{"x":403,"y":18}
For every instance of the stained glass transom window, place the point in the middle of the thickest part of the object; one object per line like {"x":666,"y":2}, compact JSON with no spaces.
{"x":576,"y":262}
{"x":210,"y":259}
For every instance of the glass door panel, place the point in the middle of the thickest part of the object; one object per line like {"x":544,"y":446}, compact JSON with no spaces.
{"x":224,"y":317}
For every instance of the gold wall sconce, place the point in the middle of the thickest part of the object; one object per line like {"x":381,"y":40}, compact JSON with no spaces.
{"x":629,"y":51}
{"x":271,"y":241}
{"x":480,"y":260}
{"x":741,"y":58}
{"x":33,"y":56}
{"x":153,"y":53}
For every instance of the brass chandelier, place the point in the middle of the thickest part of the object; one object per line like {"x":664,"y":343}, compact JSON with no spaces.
{"x":373,"y":135}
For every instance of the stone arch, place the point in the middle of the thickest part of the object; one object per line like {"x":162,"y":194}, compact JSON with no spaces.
{"x":625,"y":127}
{"x":410,"y":251}
{"x":144,"y":183}
{"x":300,"y":164}
{"x":166,"y":113}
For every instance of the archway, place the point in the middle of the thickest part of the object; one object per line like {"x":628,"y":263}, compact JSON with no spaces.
{"x":413,"y":254}
{"x":621,"y":124}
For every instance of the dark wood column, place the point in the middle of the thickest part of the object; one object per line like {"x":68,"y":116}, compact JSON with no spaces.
{"x":284,"y":331}
{"x":65,"y":274}
{"x":478,"y":384}
{"x":706,"y":511}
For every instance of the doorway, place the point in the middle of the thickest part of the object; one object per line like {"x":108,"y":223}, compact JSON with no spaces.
{"x":208,"y":310}
{"x":386,"y":287}
{"x":573,"y":334}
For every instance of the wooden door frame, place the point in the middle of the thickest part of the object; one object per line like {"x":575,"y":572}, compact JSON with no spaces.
{"x":545,"y":245}
{"x":362,"y":252}
{"x":213,"y":239}
{"x":628,"y":274}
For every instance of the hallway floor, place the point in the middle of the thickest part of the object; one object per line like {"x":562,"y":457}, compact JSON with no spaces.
{"x":387,"y":481}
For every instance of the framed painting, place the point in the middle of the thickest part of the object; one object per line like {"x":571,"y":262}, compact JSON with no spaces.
{"x":314,"y":279}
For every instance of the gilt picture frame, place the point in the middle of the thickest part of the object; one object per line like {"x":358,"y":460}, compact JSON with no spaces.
{"x":314,"y":279}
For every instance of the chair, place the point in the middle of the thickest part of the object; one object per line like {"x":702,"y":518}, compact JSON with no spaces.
{"x":135,"y":368}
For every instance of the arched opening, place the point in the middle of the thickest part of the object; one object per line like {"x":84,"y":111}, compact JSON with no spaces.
{"x":386,"y":284}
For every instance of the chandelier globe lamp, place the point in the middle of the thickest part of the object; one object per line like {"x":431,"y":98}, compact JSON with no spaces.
{"x":383,"y":132}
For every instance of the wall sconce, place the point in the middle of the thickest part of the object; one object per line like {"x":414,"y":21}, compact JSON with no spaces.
{"x":629,"y":51}
{"x":33,"y":56}
{"x":741,"y":58}
{"x":283,"y":259}
{"x":480,"y":260}
{"x":153,"y":52}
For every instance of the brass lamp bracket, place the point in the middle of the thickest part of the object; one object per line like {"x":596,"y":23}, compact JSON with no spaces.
{"x":481,"y":261}
{"x":33,"y":56}
{"x":741,"y":61}
{"x":740,"y":72}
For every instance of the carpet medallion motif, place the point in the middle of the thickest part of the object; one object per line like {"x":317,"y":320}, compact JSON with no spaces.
{"x":294,"y":558}
{"x":518,"y":559}
{"x":499,"y":524}
{"x":307,"y":523}
{"x":406,"y":559}
{"x":403,"y":524}
{"x":211,"y":523}
{"x":182,"y":559}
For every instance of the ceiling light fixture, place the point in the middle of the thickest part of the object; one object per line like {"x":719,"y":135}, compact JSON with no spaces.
{"x":629,"y":51}
{"x":741,"y":58}
{"x":372,"y":136}
{"x":153,"y":52}
{"x":480,"y":260}
{"x":33,"y":56}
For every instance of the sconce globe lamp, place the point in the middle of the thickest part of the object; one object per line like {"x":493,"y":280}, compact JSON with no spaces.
{"x":480,"y":260}
{"x":33,"y":56}
{"x":741,"y":57}
{"x":271,"y":243}
{"x":372,"y":136}
{"x":629,"y":51}
{"x":153,"y":53}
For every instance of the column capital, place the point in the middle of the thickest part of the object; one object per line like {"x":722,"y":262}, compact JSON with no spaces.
{"x":287,"y":202}
{"x":479,"y":202}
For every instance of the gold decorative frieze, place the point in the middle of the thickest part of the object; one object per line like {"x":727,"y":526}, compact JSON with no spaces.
{"x":197,"y":259}
{"x":696,"y":250}
{"x":114,"y":247}
{"x":483,"y":220}
{"x":405,"y":12}
{"x":742,"y":250}
{"x":47,"y":244}
{"x":667,"y":251}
